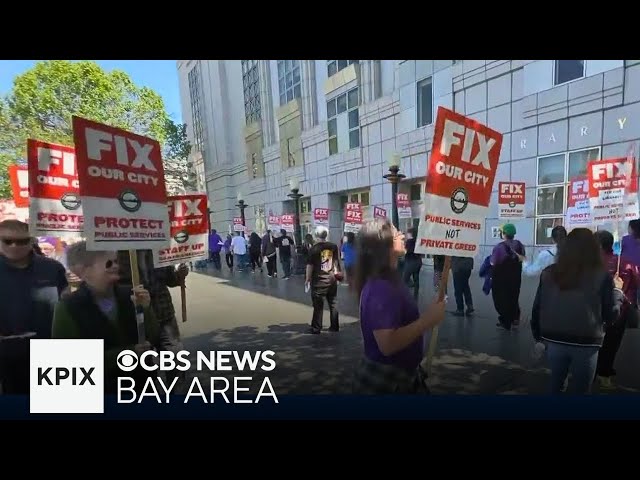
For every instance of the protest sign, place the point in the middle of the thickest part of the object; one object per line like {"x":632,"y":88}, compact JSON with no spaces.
{"x":511,"y":197}
{"x":274,"y":223}
{"x":578,"y":207}
{"x":613,"y":190}
{"x":287,"y":222}
{"x":19,"y":178}
{"x":321,"y":216}
{"x":404,"y":206}
{"x":352,"y":217}
{"x":237,"y":225}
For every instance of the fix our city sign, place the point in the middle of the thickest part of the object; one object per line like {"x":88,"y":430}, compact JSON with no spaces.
{"x":189,"y":231}
{"x":55,"y":207}
{"x":122,"y":188}
{"x":613,"y":190}
{"x":321,"y":216}
{"x":19,"y":178}
{"x":461,"y":171}
{"x":578,"y":207}
{"x":511,"y":199}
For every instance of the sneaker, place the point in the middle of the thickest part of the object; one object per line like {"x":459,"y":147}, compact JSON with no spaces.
{"x":313,"y":331}
{"x":331,"y":329}
{"x":268,"y":275}
{"x":605,"y":383}
{"x":470,"y":312}
{"x":503,"y":327}
{"x":459,"y":313}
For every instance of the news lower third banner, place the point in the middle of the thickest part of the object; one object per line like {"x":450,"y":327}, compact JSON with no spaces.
{"x":68,"y":378}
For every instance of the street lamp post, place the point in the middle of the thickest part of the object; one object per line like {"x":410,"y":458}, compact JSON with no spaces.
{"x":242,"y":205}
{"x":394,"y":178}
{"x":295,"y":195}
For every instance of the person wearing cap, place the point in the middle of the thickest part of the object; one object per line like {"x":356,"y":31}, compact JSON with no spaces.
{"x":506,"y":273}
{"x":322,"y":275}
{"x":547,"y":256}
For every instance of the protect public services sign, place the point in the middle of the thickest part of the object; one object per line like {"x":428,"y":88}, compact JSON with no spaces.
{"x":55,"y":208}
{"x":613,"y":190}
{"x":460,"y":175}
{"x":511,"y":197}
{"x":189,"y":231}
{"x":122,"y":188}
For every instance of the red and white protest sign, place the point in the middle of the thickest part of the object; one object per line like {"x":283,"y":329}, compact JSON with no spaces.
{"x":19,"y":178}
{"x":122,"y":188}
{"x":613,"y":190}
{"x":55,"y":207}
{"x":274,"y":222}
{"x":189,"y":231}
{"x":511,"y":197}
{"x":287,"y":222}
{"x":578,"y":207}
{"x":9,"y":211}
{"x":404,"y":206}
{"x":352,"y":217}
{"x":321,"y":216}
{"x":379,"y":212}
{"x":237,"y":225}
{"x":460,"y":175}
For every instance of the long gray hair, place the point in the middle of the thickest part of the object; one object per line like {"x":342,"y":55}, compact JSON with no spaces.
{"x":374,"y":244}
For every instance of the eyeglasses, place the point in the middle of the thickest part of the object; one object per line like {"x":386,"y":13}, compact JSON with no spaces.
{"x":16,"y":241}
{"x":110,"y":263}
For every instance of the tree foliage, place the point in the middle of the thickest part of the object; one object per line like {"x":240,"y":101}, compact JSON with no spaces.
{"x":44,"y":99}
{"x":179,"y":172}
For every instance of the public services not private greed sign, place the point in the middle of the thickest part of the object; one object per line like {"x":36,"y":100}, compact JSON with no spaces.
{"x":122,"y":188}
{"x":460,"y":175}
{"x":189,"y":222}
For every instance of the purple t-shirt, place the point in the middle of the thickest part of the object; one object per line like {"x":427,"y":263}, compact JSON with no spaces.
{"x":386,"y":305}
{"x":631,"y":249}
{"x":500,"y":252}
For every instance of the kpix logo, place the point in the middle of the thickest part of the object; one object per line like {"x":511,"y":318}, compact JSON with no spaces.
{"x":66,"y":376}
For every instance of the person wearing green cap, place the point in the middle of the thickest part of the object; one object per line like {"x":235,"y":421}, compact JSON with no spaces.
{"x":506,"y":272}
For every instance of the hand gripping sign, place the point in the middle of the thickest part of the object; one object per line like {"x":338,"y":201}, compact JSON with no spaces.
{"x":189,"y":231}
{"x":613,"y":190}
{"x":462,"y":168}
{"x":19,"y":178}
{"x":122,"y":188}
{"x":55,"y":207}
{"x":511,"y":196}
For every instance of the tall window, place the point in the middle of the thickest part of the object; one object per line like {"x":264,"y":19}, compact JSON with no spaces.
{"x":425,"y":102}
{"x":567,"y":70}
{"x":334,"y":66}
{"x":343,"y":122}
{"x":289,"y":80}
{"x":254,"y":165}
{"x":251,"y":86}
{"x":195,"y":95}
{"x":554,"y":174}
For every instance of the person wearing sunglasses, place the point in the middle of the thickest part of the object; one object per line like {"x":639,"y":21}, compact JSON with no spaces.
{"x":30,"y":285}
{"x":99,"y":308}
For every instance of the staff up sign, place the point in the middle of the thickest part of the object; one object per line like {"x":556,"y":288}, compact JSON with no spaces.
{"x":511,"y":197}
{"x":122,"y":188}
{"x":55,"y":207}
{"x":460,"y":175}
{"x":189,"y":231}
{"x":610,"y":196}
{"x":19,"y":178}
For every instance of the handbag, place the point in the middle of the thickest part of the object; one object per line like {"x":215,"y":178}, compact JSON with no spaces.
{"x":630,"y":316}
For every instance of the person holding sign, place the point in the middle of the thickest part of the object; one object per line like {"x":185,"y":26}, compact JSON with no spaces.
{"x":392,"y":327}
{"x":100,"y":309}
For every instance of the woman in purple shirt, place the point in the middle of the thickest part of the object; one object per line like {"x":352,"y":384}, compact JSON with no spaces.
{"x":631,"y":243}
{"x":392,"y":327}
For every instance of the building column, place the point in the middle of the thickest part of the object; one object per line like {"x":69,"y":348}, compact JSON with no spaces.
{"x":309,"y":106}
{"x":370,"y":80}
{"x":266,"y":103}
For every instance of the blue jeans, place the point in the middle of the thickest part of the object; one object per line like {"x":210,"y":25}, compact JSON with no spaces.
{"x":580,"y":361}
{"x":240,"y":261}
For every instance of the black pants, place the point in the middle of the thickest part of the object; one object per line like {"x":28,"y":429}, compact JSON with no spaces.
{"x":411,"y":272}
{"x":286,"y":266}
{"x":14,"y":375}
{"x":317,"y":298}
{"x":256,"y":260}
{"x":215,"y":258}
{"x":461,"y":289}
{"x":229,"y":259}
{"x":272,"y":266}
{"x":506,"y":297}
{"x":610,"y":346}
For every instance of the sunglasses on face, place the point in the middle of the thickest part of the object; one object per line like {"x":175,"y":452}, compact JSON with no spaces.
{"x":110,"y":263}
{"x":16,"y":241}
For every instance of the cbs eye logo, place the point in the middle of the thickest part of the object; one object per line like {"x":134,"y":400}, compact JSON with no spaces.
{"x":127,"y":361}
